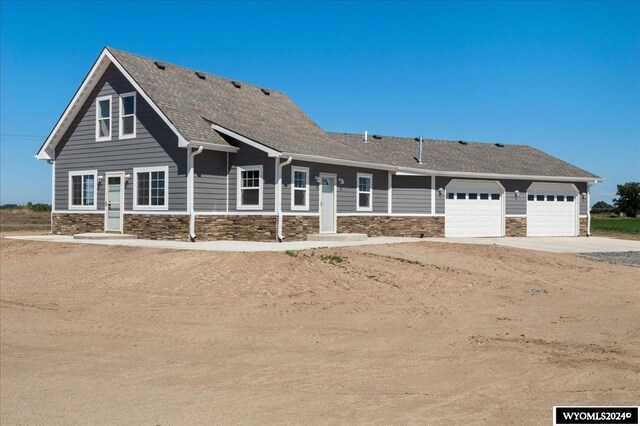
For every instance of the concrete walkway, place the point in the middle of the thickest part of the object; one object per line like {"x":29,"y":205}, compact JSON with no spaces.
{"x":241,"y":246}
{"x":552,"y":244}
{"x":548,"y":244}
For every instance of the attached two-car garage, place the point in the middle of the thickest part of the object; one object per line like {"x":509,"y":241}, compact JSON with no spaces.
{"x":478,"y":209}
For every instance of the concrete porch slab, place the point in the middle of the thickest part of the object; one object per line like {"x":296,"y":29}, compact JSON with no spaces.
{"x":103,"y":236}
{"x":337,"y":237}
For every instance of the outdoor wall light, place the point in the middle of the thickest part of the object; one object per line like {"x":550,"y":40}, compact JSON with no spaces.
{"x":584,"y":195}
{"x":516,"y":193}
{"x":441,"y":192}
{"x":341,"y":181}
{"x":317,"y":179}
{"x":100,"y":177}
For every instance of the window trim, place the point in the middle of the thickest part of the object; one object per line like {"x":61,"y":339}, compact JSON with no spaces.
{"x":70,"y":204}
{"x":358,"y":192}
{"x":239,"y":170}
{"x":305,"y":170}
{"x":137,"y":170}
{"x":98,"y":137}
{"x":120,"y":115}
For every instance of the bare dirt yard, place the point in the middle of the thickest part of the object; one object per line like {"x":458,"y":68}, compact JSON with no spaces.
{"x":413,"y":333}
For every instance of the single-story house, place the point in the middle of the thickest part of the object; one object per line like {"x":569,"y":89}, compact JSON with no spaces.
{"x":166,"y":152}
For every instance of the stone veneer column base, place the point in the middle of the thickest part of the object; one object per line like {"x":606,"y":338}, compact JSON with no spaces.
{"x":582,"y":227}
{"x":77,"y":223}
{"x":516,"y":226}
{"x":393,"y":226}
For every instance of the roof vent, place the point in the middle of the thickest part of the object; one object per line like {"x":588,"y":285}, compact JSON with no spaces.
{"x":236,"y":84}
{"x":463,"y":142}
{"x":377,"y":137}
{"x":266,"y":92}
{"x":500,"y":145}
{"x":160,"y":65}
{"x":200,"y":75}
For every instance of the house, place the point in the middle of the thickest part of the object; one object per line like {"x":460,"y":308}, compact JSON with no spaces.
{"x":165,"y":152}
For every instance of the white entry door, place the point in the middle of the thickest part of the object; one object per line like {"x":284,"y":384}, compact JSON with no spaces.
{"x":474,"y":209}
{"x":114,"y":203}
{"x":552,"y":210}
{"x":327,"y":204}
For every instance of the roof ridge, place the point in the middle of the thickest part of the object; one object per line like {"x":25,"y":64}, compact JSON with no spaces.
{"x":112,"y":49}
{"x":429,"y":139}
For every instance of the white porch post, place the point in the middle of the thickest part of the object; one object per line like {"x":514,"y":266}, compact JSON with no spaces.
{"x":389,"y":194}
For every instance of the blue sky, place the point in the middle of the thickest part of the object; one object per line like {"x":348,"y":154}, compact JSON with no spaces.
{"x":563,"y":77}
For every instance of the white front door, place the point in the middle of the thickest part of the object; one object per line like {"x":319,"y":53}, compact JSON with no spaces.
{"x":474,"y":209}
{"x":113,"y":202}
{"x":552,"y":210}
{"x":327,"y":204}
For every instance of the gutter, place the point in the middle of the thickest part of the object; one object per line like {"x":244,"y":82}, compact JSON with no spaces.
{"x":279,"y":196}
{"x":190,"y":183}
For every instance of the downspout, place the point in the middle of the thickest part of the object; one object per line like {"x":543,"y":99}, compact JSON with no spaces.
{"x":53,"y":192}
{"x":279,"y":196}
{"x":589,"y":208}
{"x":192,"y":213}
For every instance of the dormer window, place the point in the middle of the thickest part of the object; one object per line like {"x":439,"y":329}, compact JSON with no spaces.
{"x":128,"y":115}
{"x":103,"y":118}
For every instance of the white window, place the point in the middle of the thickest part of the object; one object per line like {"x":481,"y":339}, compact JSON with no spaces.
{"x":103,"y":118}
{"x":299,"y":188}
{"x":364,"y":193}
{"x":151,"y":188}
{"x":249,"y":195}
{"x":83,"y":190}
{"x":127,"y":123}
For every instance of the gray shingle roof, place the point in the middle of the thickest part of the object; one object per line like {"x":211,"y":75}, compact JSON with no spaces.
{"x":192,"y":104}
{"x":474,"y":157}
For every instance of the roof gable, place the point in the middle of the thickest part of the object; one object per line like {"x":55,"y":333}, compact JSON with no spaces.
{"x":79,"y":98}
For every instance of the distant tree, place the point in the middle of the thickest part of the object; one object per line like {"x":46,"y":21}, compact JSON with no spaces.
{"x":628,"y":200}
{"x":38,"y":207}
{"x":602,"y":207}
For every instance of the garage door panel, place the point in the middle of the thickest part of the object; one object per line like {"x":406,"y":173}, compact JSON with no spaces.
{"x":549,"y":215}
{"x":473,"y":217}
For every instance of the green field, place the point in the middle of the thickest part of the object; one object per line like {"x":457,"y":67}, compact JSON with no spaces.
{"x":622,"y":225}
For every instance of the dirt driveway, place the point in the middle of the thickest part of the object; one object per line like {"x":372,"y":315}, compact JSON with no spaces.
{"x":412,"y":333}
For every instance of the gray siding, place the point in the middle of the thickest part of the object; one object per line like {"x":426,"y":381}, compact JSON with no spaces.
{"x":155,"y":145}
{"x":346,"y":192}
{"x":210,"y":182}
{"x":411,"y":194}
{"x":582,"y":188}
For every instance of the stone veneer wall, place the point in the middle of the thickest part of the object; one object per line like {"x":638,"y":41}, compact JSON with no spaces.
{"x":77,"y":223}
{"x":236,"y":227}
{"x":296,"y":228}
{"x":583,"y":227}
{"x":393,"y":226}
{"x":516,"y":226}
{"x":157,"y":226}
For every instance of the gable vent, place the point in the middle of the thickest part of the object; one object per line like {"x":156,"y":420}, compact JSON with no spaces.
{"x":377,"y":137}
{"x":266,"y":92}
{"x":160,"y":65}
{"x":236,"y":84}
{"x":200,"y":75}
{"x":500,"y":145}
{"x":463,"y":142}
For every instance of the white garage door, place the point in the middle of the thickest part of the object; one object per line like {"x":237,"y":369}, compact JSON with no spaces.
{"x":473,"y":209}
{"x":552,"y":210}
